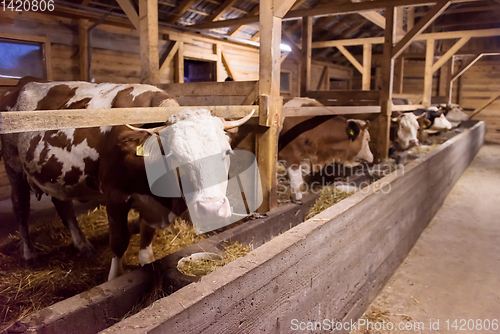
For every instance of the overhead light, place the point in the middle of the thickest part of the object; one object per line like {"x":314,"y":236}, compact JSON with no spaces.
{"x":285,"y":47}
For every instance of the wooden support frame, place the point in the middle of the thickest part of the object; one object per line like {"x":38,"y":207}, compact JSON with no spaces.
{"x":461,"y":42}
{"x":305,"y":67}
{"x":83,"y":49}
{"x":221,"y":10}
{"x":431,"y":15}
{"x":230,"y":71}
{"x":429,"y":60}
{"x":179,"y":10}
{"x":485,"y":105}
{"x":387,"y":73}
{"x":148,"y":33}
{"x":367,"y":67}
{"x":179,"y":64}
{"x":351,"y":58}
{"x":170,"y":56}
{"x":129,"y":9}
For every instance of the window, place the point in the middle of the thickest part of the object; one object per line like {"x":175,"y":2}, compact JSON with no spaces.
{"x":199,"y":71}
{"x":285,"y":82}
{"x":24,"y":56}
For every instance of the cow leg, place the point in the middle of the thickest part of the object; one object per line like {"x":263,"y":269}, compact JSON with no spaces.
{"x":146,"y":254}
{"x":118,"y":235}
{"x":20,"y":196}
{"x":296,"y":180}
{"x":66,"y":211}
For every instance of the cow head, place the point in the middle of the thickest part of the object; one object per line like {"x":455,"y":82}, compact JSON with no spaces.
{"x":408,"y":125}
{"x":194,"y":163}
{"x":455,"y":115}
{"x":357,"y":132}
{"x":441,"y":123}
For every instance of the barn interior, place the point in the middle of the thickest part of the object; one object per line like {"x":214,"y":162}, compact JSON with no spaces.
{"x":232,"y":56}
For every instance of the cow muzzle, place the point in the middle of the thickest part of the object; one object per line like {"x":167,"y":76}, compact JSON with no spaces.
{"x":214,"y":208}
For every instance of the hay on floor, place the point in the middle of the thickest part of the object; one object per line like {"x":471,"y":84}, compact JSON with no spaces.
{"x":328,"y":197}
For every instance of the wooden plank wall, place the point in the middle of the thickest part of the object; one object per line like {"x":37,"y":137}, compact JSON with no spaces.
{"x":329,"y":267}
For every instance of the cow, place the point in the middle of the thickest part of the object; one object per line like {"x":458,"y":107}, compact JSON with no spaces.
{"x":309,"y":143}
{"x":404,"y":130}
{"x":104,"y":162}
{"x":454,"y":114}
{"x":438,"y":121}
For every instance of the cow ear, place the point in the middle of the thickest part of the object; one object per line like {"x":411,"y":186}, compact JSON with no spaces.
{"x":395,"y":119}
{"x":421,"y":116}
{"x":353,"y":130}
{"x":367,"y":125}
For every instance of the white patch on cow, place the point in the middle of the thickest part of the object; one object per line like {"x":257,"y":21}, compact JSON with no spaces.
{"x":101,"y":95}
{"x":140,"y":89}
{"x":407,"y":130}
{"x":296,"y":181}
{"x":146,"y":255}
{"x":192,"y":136}
{"x":104,"y":129}
{"x":364,"y":154}
{"x":116,"y":269}
{"x":455,"y":116}
{"x":32,"y":93}
{"x":441,"y":123}
{"x":73,"y":158}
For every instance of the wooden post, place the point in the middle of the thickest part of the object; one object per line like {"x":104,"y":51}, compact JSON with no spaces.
{"x":148,"y":33}
{"x":179,"y":64}
{"x":449,"y":81}
{"x":429,"y":60}
{"x":270,"y":102}
{"x":219,"y":65}
{"x":410,"y":20}
{"x":305,"y":69}
{"x":83,"y":50}
{"x":399,"y":74}
{"x":367,"y":66}
{"x":387,"y":73}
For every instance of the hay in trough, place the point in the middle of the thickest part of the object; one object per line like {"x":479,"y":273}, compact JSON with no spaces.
{"x":205,"y":266}
{"x":60,"y":271}
{"x":328,"y":197}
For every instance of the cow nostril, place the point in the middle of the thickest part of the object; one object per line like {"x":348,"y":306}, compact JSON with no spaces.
{"x":210,"y":207}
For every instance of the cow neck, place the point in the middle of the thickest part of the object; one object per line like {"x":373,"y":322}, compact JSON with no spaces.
{"x":300,"y":128}
{"x":162,"y":151}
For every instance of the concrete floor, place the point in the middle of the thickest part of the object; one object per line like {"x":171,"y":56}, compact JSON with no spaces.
{"x":453,"y":272}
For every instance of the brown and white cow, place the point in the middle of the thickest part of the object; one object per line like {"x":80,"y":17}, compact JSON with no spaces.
{"x":310,"y":143}
{"x":103,"y":163}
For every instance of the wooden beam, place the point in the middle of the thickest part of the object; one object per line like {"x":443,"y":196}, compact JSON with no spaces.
{"x":83,"y":49}
{"x":235,"y":29}
{"x":399,"y":75}
{"x":431,"y":15}
{"x":43,"y":120}
{"x":422,"y":37}
{"x":230,"y":71}
{"x":330,"y":9}
{"x":322,"y":79}
{"x":449,"y":81}
{"x":466,"y":67}
{"x":217,"y":14}
{"x":179,"y":64}
{"x":271,"y":103}
{"x":281,"y":7}
{"x":128,"y":8}
{"x":296,"y":50}
{"x":410,"y":19}
{"x":148,"y":35}
{"x":484,"y":106}
{"x":305,"y":68}
{"x":351,"y":59}
{"x":367,"y":67}
{"x":429,"y":59}
{"x":170,"y":56}
{"x":180,"y":10}
{"x":220,"y":64}
{"x":379,"y":21}
{"x":461,"y":42}
{"x":329,"y":110}
{"x":387,"y":73}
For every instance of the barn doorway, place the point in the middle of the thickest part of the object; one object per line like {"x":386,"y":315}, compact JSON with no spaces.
{"x":199,"y":71}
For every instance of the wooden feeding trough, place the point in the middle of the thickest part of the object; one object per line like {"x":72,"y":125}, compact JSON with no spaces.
{"x":331,"y":266}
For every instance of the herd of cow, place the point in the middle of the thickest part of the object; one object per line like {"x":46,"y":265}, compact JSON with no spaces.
{"x":103,"y":163}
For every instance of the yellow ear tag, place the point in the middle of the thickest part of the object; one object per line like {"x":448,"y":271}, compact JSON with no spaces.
{"x":351,"y":132}
{"x":140,"y":151}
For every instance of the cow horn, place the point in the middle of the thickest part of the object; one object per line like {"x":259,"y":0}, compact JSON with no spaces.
{"x":151,"y":131}
{"x":233,"y":124}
